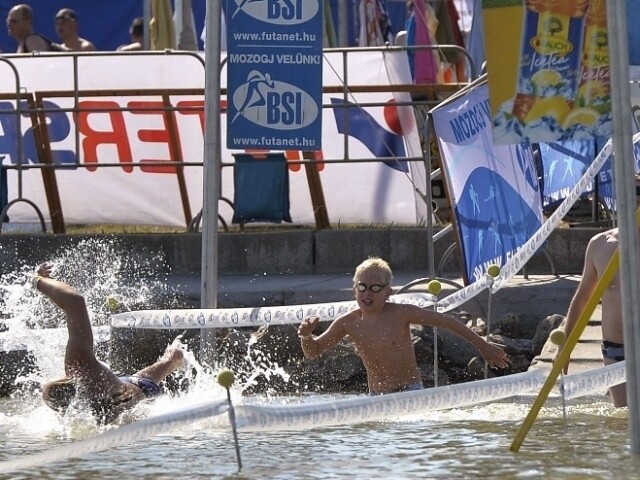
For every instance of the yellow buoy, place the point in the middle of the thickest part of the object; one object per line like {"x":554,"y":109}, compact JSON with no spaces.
{"x":226,"y":378}
{"x":493,"y":270}
{"x":557,"y":336}
{"x":434,"y":287}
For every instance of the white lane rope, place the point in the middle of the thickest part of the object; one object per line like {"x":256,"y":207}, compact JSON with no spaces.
{"x":383,"y":407}
{"x":594,"y":381}
{"x":119,"y":436}
{"x":249,"y":316}
{"x":360,"y":409}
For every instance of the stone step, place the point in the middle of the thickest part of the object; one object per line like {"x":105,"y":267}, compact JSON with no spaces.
{"x":586,"y":354}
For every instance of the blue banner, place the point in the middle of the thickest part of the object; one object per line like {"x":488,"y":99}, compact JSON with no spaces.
{"x":494,"y":189}
{"x":99,"y":21}
{"x":563,"y":164}
{"x":274,"y":75}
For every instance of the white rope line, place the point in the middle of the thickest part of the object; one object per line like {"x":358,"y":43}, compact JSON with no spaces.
{"x":119,"y":436}
{"x":594,"y":381}
{"x":383,"y":407}
{"x":249,"y":316}
{"x":340,"y":412}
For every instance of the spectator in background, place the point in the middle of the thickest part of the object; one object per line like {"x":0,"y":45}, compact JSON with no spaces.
{"x":136,"y":32}
{"x":67,"y":29}
{"x":20,"y":27}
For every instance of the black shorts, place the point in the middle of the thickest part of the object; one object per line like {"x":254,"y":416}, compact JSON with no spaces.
{"x":612,"y":350}
{"x":148,"y":387}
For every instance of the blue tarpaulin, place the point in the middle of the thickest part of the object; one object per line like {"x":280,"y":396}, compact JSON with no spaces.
{"x":3,"y":189}
{"x":105,"y":23}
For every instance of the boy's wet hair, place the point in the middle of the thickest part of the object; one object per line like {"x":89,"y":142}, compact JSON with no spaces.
{"x":374,"y":263}
{"x":58,"y":394}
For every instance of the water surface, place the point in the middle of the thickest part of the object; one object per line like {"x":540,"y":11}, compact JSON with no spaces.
{"x":459,"y":443}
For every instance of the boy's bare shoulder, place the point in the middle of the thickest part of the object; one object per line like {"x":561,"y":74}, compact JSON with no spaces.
{"x":608,"y":236}
{"x":346,"y":317}
{"x":402,"y":309}
{"x":402,"y":306}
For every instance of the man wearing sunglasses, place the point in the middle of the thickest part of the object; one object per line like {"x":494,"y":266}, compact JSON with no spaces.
{"x":381,"y":332}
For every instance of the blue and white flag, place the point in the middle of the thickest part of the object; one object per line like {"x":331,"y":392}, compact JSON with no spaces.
{"x":494,"y":190}
{"x":563,"y":164}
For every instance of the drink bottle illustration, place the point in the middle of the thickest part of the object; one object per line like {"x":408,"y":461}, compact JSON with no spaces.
{"x":550,"y":61}
{"x":594,"y":87}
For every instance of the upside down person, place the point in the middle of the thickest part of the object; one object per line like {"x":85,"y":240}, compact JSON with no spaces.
{"x":107,"y":394}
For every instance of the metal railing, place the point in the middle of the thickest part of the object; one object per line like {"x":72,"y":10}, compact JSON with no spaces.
{"x":34,"y":106}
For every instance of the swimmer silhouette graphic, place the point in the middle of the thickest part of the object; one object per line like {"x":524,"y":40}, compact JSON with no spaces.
{"x":241,"y":6}
{"x":254,"y":97}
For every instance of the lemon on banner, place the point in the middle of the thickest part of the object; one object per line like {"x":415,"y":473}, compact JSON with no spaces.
{"x":546,"y":78}
{"x":556,"y":107}
{"x":581,"y":116}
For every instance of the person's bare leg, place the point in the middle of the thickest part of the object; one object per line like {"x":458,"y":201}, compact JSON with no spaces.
{"x":79,"y":353}
{"x":172,"y":359}
{"x":619,"y":392}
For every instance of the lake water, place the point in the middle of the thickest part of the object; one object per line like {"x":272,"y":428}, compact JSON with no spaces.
{"x":469,"y":442}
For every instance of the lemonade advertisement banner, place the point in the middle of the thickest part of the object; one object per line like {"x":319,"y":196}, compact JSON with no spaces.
{"x":548,"y":69}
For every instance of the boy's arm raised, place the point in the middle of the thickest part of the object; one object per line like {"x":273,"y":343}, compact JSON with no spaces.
{"x":312,"y":346}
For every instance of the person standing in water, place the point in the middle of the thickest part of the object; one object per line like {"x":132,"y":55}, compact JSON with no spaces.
{"x":381,"y":332}
{"x":599,"y":251}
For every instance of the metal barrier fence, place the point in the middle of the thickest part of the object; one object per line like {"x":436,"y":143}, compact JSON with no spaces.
{"x":34,"y":107}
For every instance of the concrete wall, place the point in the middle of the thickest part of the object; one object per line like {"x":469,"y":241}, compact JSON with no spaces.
{"x":291,"y":251}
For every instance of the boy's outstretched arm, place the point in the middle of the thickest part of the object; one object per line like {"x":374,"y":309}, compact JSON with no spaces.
{"x":495,"y":356}
{"x":313,"y":346}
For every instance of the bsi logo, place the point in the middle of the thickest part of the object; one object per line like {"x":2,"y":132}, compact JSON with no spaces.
{"x":273,"y":104}
{"x":278,"y":12}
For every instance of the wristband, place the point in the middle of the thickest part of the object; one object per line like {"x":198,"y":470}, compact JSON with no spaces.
{"x":35,"y":280}
{"x":305,"y":337}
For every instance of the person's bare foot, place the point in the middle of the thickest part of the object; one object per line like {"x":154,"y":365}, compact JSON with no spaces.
{"x":175,"y":356}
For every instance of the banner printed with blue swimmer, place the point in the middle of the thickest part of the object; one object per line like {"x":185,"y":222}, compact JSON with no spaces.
{"x":564,"y":163}
{"x":550,"y":80}
{"x":606,"y":185}
{"x":494,"y":189}
{"x":274,"y":74}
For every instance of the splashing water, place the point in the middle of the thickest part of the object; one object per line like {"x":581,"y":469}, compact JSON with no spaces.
{"x":461,"y":443}
{"x":33,"y":323}
{"x":101,"y":270}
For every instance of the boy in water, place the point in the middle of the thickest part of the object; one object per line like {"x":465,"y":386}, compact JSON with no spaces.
{"x":107,"y":394}
{"x":381,"y":332}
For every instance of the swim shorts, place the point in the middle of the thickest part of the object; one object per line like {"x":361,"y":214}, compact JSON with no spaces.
{"x":148,"y":387}
{"x":613,"y":350}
